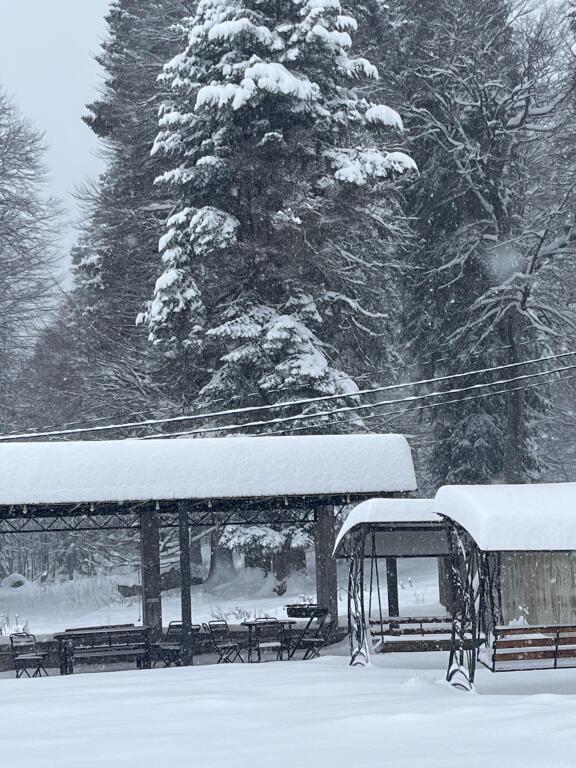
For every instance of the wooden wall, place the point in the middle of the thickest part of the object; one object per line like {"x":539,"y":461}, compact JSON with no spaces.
{"x":539,"y":587}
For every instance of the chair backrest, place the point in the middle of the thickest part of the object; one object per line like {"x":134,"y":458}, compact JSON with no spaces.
{"x":23,"y":642}
{"x":268,"y":630}
{"x":219,"y":631}
{"x":322,"y":628}
{"x":174,"y":631}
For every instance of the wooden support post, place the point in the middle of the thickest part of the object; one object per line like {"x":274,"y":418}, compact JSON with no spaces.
{"x":445,"y":584}
{"x":326,"y":576}
{"x":185,"y":584}
{"x":392,"y":584}
{"x":151,"y":587}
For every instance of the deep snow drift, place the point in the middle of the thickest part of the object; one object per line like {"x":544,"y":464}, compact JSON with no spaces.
{"x":287,"y":714}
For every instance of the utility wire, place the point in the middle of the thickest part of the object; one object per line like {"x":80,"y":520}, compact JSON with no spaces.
{"x":356,"y":408}
{"x":279,"y":390}
{"x":289,"y":404}
{"x":395,"y":414}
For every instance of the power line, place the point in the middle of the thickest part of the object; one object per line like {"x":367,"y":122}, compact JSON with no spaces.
{"x":356,"y":408}
{"x":250,"y":395}
{"x":287,"y":404}
{"x":437,"y":405}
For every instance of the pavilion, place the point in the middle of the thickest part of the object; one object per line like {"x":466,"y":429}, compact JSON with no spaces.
{"x":509,"y":550}
{"x":149,"y":484}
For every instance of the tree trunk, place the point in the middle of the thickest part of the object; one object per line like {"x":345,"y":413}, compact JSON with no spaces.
{"x":196,"y":562}
{"x":515,"y":437}
{"x":221,"y":563}
{"x":287,"y":561}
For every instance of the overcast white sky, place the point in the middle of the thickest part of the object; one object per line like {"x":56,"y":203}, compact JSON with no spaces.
{"x":47,"y":65}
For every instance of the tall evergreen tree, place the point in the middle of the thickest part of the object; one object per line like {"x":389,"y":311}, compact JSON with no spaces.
{"x":277,"y":257}
{"x":114,"y":262}
{"x":480,"y":101}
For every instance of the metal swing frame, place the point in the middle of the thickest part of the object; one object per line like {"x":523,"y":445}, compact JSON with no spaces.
{"x":362,"y":544}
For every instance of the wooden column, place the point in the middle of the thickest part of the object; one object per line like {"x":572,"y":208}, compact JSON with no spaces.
{"x":392,"y":584}
{"x":326,"y":577}
{"x":185,"y":584}
{"x":150,"y":558}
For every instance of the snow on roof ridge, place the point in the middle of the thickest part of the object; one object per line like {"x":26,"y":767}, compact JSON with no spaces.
{"x":391,"y":511}
{"x":536,"y":517}
{"x":210,"y":468}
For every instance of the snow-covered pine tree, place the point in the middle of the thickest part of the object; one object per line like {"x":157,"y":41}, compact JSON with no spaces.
{"x":115,"y":261}
{"x":278,"y":259}
{"x":479,"y":100}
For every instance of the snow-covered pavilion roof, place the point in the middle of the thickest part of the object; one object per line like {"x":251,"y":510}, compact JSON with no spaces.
{"x":212,"y":468}
{"x":393,"y":512}
{"x":500,"y":518}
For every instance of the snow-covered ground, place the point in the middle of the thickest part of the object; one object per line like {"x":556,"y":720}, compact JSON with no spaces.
{"x":286,"y":714}
{"x":45,"y":609}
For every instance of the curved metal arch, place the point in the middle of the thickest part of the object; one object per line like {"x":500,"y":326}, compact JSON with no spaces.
{"x":357,"y":630}
{"x":467,"y":587}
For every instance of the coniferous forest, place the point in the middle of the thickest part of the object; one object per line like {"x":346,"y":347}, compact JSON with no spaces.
{"x":360,"y":216}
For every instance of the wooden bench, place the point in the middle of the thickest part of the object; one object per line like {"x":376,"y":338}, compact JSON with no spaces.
{"x":115,"y":643}
{"x":102,"y":627}
{"x":412,"y":633}
{"x":531,"y":647}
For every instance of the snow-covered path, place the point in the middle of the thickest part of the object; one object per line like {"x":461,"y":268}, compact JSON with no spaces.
{"x":283,"y":714}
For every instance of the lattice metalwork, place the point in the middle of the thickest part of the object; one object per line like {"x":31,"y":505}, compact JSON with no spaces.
{"x":466,"y":597}
{"x":357,"y":629}
{"x":490,"y":614}
{"x":70,"y":524}
{"x":207,"y":513}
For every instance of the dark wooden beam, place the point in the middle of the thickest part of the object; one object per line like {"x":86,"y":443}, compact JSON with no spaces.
{"x":392,"y":584}
{"x":150,"y":558}
{"x":185,"y":584}
{"x":326,"y":575}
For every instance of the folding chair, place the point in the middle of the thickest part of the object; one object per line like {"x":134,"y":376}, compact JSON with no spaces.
{"x":268,"y":637}
{"x":26,"y":656}
{"x":313,"y":643}
{"x":169,"y":651}
{"x":228,"y":650}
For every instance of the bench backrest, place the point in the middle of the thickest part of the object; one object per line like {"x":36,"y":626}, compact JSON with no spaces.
{"x":533,"y":646}
{"x":129,"y":637}
{"x":102,"y":627}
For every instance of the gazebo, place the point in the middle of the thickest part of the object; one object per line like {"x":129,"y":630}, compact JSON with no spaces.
{"x":381,"y":531}
{"x":505,"y":547}
{"x":148,"y":484}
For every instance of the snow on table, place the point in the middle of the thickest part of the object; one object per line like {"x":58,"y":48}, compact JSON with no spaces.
{"x":211,"y":468}
{"x":286,"y":714}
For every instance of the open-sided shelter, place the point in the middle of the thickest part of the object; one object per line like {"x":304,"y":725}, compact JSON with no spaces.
{"x":381,"y":531}
{"x":147,"y":484}
{"x":507,"y":547}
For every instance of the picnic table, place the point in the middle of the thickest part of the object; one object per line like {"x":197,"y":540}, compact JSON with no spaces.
{"x":119,"y":642}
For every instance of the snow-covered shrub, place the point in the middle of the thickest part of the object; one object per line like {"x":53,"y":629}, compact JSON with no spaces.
{"x":14,"y":580}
